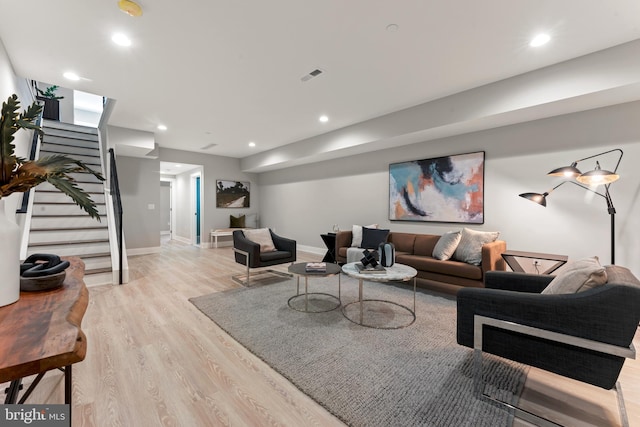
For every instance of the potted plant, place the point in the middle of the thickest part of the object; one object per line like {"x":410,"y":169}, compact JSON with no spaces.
{"x":18,"y":175}
{"x":51,"y":102}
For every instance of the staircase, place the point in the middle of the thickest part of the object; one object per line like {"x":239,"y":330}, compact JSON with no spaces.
{"x":58,"y":225}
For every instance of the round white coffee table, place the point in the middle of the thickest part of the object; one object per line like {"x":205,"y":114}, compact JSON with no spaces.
{"x":395,"y":273}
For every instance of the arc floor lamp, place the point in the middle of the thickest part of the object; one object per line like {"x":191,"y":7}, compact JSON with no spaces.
{"x":588,"y":181}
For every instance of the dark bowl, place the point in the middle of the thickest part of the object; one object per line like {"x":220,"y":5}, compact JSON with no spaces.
{"x":42,"y":283}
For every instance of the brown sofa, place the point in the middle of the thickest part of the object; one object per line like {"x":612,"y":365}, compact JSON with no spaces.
{"x":443,"y":276}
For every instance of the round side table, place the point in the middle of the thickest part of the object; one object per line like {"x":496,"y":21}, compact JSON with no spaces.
{"x":299,"y":270}
{"x":395,"y":273}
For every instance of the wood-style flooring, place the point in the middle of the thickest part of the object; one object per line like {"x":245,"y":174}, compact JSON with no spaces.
{"x":154,"y":360}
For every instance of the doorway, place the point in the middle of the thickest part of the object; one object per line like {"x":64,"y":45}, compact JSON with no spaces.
{"x":166,"y":209}
{"x":196,"y":198}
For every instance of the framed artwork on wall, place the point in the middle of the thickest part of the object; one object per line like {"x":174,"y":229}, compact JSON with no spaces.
{"x":232,"y":194}
{"x":441,"y":189}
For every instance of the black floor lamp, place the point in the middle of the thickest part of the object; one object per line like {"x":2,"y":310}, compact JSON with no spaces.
{"x":593,"y":178}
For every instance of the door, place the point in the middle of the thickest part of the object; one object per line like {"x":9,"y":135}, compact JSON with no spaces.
{"x":196,"y":197}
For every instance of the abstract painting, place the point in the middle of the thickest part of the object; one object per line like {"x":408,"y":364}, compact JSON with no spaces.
{"x":442,"y":189}
{"x":232,"y":194}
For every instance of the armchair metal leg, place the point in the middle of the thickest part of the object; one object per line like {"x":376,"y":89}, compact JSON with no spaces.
{"x":245,"y":280}
{"x":624,"y":420}
{"x":513,"y":410}
{"x":481,"y":321}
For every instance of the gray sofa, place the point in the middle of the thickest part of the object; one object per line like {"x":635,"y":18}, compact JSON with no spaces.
{"x":444,"y":276}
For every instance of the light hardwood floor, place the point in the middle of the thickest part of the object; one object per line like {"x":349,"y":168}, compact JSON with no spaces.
{"x":154,"y":360}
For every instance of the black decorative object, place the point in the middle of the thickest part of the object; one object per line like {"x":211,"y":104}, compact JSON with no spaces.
{"x":370,"y":258}
{"x":41,"y":272}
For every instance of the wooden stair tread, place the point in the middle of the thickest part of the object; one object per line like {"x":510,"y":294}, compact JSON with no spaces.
{"x":69,"y":242}
{"x":97,"y":270}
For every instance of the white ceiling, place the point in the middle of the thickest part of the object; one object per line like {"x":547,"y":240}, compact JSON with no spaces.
{"x":229,"y":72}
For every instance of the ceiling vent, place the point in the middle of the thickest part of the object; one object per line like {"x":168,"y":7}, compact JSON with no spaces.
{"x":314,"y":73}
{"x":206,"y":147}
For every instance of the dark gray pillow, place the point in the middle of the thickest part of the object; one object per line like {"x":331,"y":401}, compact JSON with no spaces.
{"x":372,"y":237}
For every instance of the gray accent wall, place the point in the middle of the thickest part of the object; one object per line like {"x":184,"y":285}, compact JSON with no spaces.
{"x":140,"y":189}
{"x":213,"y":168}
{"x":304,"y":201}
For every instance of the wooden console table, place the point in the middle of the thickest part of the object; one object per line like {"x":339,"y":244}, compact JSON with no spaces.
{"x":41,"y":331}
{"x":510,"y":258}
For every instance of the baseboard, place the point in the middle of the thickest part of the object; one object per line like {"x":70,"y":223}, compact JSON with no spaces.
{"x":144,"y":251}
{"x":312,"y":249}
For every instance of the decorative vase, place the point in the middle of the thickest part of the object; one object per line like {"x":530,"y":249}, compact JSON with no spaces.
{"x":387,"y":254}
{"x":9,"y":259}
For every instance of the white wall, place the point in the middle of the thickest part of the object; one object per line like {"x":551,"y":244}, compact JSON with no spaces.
{"x":10,"y":84}
{"x":303,"y":202}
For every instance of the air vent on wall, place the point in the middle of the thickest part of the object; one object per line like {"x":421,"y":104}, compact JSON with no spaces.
{"x":314,"y":73}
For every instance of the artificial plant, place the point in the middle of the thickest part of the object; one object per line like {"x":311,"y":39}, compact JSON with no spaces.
{"x":50,"y":92}
{"x":18,"y":175}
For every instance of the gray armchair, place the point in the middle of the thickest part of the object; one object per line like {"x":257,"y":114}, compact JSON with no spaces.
{"x":585,"y":336}
{"x":247,"y":253}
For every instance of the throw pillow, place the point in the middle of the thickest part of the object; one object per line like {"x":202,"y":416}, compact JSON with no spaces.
{"x":446,"y":245}
{"x":356,"y":235}
{"x":469,"y":249}
{"x":262,"y":236}
{"x":372,"y":237}
{"x":578,"y":276}
{"x":236,"y":222}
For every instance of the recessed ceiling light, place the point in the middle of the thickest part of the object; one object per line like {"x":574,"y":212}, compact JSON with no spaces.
{"x":129,"y":7}
{"x":121,"y":39}
{"x":539,"y":40}
{"x":392,"y":28}
{"x":71,"y":76}
{"x":323,"y":119}
{"x":252,"y":144}
{"x":162,"y":127}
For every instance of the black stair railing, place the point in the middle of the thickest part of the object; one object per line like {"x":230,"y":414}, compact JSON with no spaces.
{"x":117,"y":207}
{"x":32,"y":156}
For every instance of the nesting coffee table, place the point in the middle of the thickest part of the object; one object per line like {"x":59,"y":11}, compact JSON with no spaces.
{"x":395,"y":273}
{"x":299,"y":270}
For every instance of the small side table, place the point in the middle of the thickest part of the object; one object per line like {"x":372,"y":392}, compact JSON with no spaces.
{"x":299,"y":269}
{"x":510,"y":258}
{"x":329,"y":240}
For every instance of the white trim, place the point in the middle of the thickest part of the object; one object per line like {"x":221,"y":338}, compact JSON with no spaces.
{"x":144,"y":251}
{"x":181,"y":239}
{"x":312,"y":249}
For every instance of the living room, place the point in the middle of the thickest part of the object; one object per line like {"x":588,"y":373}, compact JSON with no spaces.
{"x":342,"y":176}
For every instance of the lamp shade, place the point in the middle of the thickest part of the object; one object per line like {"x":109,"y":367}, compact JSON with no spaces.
{"x":540,"y":199}
{"x":597,"y":177}
{"x":566,"y":171}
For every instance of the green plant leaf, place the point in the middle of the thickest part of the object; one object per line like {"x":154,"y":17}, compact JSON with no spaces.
{"x":81,"y":198}
{"x":20,"y":175}
{"x":8,"y":127}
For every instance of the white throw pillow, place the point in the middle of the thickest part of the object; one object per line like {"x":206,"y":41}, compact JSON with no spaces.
{"x":578,"y":276}
{"x":262,"y":236}
{"x":356,"y":234}
{"x":469,"y":249}
{"x":446,"y":245}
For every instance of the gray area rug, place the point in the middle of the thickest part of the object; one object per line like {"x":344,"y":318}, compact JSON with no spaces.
{"x":416,"y":376}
